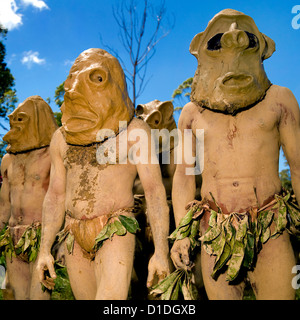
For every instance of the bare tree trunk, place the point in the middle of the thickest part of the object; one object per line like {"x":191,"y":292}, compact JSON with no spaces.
{"x":140,"y":32}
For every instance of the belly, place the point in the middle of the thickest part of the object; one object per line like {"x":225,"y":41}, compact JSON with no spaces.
{"x":238,"y":194}
{"x":91,"y":193}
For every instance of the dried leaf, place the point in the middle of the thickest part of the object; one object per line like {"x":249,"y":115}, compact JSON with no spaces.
{"x":163,"y":285}
{"x":235,"y":261}
{"x":70,"y":243}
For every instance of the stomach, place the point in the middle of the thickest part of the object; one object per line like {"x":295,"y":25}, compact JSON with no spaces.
{"x":237,"y":194}
{"x":91,"y":193}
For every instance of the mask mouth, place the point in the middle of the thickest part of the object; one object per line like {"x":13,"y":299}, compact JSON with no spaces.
{"x":79,"y":115}
{"x":13,"y":134}
{"x":236,"y":81}
{"x":79,"y":124}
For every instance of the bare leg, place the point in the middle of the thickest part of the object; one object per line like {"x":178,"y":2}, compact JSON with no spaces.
{"x":113,"y":267}
{"x":272,"y":276}
{"x":19,"y":278}
{"x":36,"y":292}
{"x":81,"y":274}
{"x":219,"y":289}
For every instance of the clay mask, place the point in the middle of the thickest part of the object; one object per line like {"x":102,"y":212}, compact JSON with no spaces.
{"x":230,"y":75}
{"x":95,"y":97}
{"x":159,"y":115}
{"x":32,"y":125}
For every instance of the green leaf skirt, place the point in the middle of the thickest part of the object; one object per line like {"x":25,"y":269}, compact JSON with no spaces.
{"x":235,"y":239}
{"x":26,"y":246}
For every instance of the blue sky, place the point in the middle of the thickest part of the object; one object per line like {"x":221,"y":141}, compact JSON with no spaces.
{"x":46,"y":36}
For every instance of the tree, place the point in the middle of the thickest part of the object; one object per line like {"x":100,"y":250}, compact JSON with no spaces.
{"x":59,"y":99}
{"x":182,"y":93}
{"x":140,"y":30}
{"x":8,"y":97}
{"x":59,"y":94}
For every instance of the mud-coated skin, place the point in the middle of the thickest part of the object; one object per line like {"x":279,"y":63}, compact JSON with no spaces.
{"x":242,"y":153}
{"x":245,"y":120}
{"x":25,"y":183}
{"x":87,"y":190}
{"x":25,"y":170}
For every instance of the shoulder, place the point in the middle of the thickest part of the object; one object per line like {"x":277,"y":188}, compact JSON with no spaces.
{"x":58,"y":143}
{"x":6,"y":161}
{"x":188,"y":114}
{"x":138,"y":124}
{"x":284,"y":100}
{"x":281,"y":95}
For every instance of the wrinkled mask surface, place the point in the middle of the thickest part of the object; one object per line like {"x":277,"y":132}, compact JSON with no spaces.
{"x":158,"y":115}
{"x":95,"y":97}
{"x":32,"y":125}
{"x":230,"y":53}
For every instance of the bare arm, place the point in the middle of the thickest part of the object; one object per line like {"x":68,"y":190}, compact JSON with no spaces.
{"x":53,"y":207}
{"x":289,"y":130}
{"x":183,"y":192}
{"x":184,"y":186}
{"x":5,"y":209}
{"x":158,"y":213}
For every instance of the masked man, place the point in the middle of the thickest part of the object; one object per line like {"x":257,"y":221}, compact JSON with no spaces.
{"x":243,"y":217}
{"x":25,"y":170}
{"x":95,"y":197}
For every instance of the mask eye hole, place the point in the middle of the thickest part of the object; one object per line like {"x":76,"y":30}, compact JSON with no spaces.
{"x":21,"y":117}
{"x":139,"y":111}
{"x":253,"y":40}
{"x":214,"y":43}
{"x":98,"y":76}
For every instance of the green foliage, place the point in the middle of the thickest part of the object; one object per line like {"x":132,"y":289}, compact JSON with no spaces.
{"x":59,"y":94}
{"x":7,"y":94}
{"x":62,"y":289}
{"x":285,"y":178}
{"x":57,"y":116}
{"x":181,"y":95}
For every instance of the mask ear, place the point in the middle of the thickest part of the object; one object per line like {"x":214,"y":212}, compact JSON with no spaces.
{"x":195,"y":44}
{"x":166,"y":109}
{"x":269,"y":47}
{"x":154,"y":120}
{"x":139,"y":110}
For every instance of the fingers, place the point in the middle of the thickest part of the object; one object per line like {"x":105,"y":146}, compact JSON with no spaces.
{"x":48,"y":283}
{"x":162,"y":276}
{"x":180,"y":255}
{"x":50,"y":267}
{"x":150,"y":279}
{"x":45,"y":266}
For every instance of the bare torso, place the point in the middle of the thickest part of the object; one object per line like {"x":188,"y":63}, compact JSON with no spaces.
{"x":28,"y":177}
{"x":94,"y":189}
{"x":241,"y":153}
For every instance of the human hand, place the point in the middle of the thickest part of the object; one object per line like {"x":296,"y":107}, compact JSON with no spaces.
{"x":45,"y":265}
{"x":180,"y":254}
{"x":159,"y":268}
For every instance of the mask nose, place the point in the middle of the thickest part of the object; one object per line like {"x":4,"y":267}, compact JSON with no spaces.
{"x":235,"y":38}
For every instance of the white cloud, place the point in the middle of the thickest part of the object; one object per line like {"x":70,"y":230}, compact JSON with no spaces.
{"x":10,"y":18}
{"x":69,"y":62}
{"x":32,"y":57}
{"x":36,"y":3}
